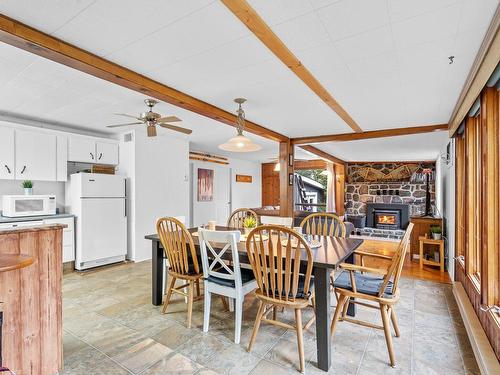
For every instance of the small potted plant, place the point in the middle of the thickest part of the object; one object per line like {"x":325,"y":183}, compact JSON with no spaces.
{"x":436,"y":232}
{"x":248,"y":224}
{"x":28,"y":187}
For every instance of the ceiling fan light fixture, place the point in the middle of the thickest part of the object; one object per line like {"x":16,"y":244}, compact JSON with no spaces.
{"x":151,"y":131}
{"x":240,"y":143}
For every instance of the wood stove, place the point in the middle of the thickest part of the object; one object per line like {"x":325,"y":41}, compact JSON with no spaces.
{"x":387,"y":215}
{"x":387,"y":219}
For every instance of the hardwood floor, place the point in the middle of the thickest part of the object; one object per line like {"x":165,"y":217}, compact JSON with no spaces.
{"x":410,"y":269}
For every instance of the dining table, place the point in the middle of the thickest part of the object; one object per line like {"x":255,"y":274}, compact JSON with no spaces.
{"x":327,"y":256}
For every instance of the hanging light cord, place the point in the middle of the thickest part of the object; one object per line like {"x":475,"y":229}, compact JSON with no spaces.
{"x":240,"y":121}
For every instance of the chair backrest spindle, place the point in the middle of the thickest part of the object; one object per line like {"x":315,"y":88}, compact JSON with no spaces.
{"x":237,"y":217}
{"x":323,"y":224}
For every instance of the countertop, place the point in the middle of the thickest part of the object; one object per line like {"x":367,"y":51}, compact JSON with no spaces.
{"x":34,"y":228}
{"x":4,"y":219}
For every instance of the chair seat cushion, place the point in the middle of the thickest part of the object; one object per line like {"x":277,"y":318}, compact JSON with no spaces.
{"x":365,"y":283}
{"x":246,"y":277}
{"x":300,"y":288}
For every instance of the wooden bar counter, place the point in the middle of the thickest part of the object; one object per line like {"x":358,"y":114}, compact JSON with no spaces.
{"x":30,"y":293}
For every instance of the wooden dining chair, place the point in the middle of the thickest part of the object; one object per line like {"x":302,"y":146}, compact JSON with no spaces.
{"x":323,"y":224}
{"x":230,"y":281}
{"x":238,"y":216}
{"x":183,"y":262}
{"x":277,"y":220}
{"x":378,"y":286}
{"x":282,"y":264}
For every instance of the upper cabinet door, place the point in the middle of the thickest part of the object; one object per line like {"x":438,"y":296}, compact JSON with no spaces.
{"x":107,"y":153}
{"x":35,"y":156}
{"x":81,"y":150}
{"x":7,"y":170}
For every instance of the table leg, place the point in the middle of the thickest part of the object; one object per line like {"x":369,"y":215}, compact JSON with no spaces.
{"x":351,"y":309}
{"x":157,"y":273}
{"x":323,"y":315}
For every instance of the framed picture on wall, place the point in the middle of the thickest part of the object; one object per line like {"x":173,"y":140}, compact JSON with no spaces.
{"x":205,"y":185}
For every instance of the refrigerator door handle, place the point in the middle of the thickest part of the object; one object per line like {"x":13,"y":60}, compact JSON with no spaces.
{"x":125,"y":206}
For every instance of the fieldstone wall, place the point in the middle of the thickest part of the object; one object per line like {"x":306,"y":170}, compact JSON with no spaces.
{"x":412,"y":191}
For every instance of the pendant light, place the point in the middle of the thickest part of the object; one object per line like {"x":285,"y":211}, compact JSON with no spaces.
{"x":240,"y":143}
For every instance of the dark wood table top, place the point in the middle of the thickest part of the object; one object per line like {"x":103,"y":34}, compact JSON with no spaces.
{"x":332,"y":252}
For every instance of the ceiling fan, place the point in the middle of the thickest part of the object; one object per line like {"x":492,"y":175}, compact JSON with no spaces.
{"x":151,"y":119}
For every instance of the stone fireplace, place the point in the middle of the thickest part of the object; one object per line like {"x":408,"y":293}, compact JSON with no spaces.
{"x":386,"y":195}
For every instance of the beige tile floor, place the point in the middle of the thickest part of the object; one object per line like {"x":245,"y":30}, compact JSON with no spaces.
{"x":110,"y":327}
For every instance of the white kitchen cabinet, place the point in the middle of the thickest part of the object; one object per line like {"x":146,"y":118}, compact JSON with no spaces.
{"x":62,"y":158}
{"x":68,"y":237}
{"x":35,"y":155}
{"x":81,"y":150}
{"x":88,"y":150}
{"x":107,"y":153}
{"x":7,"y":166}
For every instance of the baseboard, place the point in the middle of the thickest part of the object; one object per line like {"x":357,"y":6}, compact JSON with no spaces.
{"x":485,"y":356}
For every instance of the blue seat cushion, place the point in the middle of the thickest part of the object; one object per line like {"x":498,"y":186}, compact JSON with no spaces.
{"x":365,"y":283}
{"x":246,"y":276}
{"x":300,"y":288}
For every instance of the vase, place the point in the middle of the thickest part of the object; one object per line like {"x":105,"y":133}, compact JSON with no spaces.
{"x":28,"y":191}
{"x":436,"y":236}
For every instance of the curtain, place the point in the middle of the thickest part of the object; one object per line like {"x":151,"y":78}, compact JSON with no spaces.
{"x":330,"y":188}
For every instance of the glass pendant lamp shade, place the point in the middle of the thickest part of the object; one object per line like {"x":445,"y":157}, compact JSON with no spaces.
{"x":240,"y":143}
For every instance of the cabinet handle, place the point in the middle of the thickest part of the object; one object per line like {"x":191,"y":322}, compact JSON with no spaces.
{"x":24,"y":169}
{"x":100,"y":156}
{"x":92,"y":155}
{"x":7,"y":167}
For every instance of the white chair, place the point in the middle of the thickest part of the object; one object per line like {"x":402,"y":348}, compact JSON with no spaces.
{"x":277,"y":220}
{"x":219,"y":278}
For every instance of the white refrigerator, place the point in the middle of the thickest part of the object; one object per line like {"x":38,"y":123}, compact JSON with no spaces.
{"x":99,"y":203}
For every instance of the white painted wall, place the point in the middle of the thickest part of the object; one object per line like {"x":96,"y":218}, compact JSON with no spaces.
{"x":158,"y":185}
{"x":242,"y":194}
{"x":445,"y":203}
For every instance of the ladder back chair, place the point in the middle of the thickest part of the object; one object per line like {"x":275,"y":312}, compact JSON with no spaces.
{"x":323,"y":224}
{"x":182,"y":261}
{"x":277,"y":220}
{"x":282,"y":264}
{"x":223,"y":279}
{"x":238,"y":216}
{"x":377,"y":286}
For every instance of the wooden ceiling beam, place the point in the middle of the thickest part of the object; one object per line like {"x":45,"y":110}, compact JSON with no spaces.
{"x":252,"y":20}
{"x":29,"y":39}
{"x":323,"y":154}
{"x":370,"y":134}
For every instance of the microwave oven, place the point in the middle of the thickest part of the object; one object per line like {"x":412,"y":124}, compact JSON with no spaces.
{"x":28,"y":205}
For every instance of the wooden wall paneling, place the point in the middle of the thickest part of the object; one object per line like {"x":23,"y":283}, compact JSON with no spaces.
{"x":30,"y":305}
{"x":340,"y":175}
{"x":490,"y":232}
{"x":286,"y":190}
{"x":270,"y":185}
{"x":31,"y":296}
{"x":459,"y":197}
{"x":10,"y":282}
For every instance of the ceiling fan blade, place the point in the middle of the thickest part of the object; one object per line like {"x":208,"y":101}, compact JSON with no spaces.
{"x":176,"y":128}
{"x":124,"y":114}
{"x":118,"y":125}
{"x":168,"y":119}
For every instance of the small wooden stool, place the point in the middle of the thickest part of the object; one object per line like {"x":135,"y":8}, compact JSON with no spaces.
{"x":429,"y":241}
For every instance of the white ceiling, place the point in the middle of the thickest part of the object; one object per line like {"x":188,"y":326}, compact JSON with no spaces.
{"x":385,"y":61}
{"x":402,"y":148}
